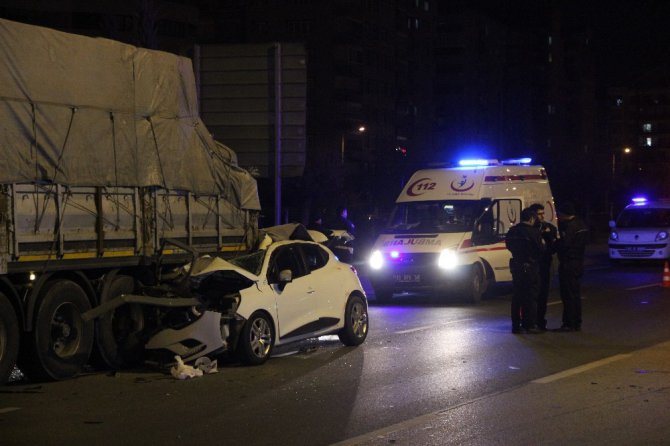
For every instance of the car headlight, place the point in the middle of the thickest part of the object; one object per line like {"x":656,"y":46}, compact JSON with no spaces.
{"x":614,"y":236}
{"x":663,"y":235}
{"x":448,"y":259}
{"x":376,"y":260}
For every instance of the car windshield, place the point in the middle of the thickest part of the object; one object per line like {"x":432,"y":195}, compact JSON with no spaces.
{"x":434,"y":216}
{"x":251,"y":262}
{"x":644,"y":218}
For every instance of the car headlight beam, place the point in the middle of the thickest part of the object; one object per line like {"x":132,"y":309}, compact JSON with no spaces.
{"x":448,"y":259}
{"x":376,"y":260}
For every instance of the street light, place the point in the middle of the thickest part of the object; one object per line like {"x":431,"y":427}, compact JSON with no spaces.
{"x":625,"y":151}
{"x":359,"y":131}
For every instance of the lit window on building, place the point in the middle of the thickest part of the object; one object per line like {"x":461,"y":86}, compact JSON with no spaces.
{"x":648,"y":142}
{"x":551,"y":58}
{"x":426,"y":6}
{"x":550,"y":40}
{"x":551,"y":109}
{"x":619,"y":101}
{"x":646,"y":127}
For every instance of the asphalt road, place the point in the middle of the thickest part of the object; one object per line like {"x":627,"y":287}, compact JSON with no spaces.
{"x":429,"y":373}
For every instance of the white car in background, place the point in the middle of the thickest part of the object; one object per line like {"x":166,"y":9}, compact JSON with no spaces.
{"x":641,"y":231}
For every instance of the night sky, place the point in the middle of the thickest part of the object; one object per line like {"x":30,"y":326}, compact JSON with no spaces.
{"x":631,"y":38}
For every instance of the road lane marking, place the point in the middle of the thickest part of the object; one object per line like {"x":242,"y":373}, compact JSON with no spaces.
{"x":427,"y":327}
{"x":580,"y":369}
{"x":651,"y":285}
{"x":8,"y":409}
{"x":431,"y":417}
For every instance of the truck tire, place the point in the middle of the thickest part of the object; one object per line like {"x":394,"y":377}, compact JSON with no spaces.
{"x":9,"y":338}
{"x":118,"y":340}
{"x":61,"y":342}
{"x":355,"y":328}
{"x":256,"y":339}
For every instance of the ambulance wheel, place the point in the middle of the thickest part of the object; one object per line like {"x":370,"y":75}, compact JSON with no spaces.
{"x":9,"y":338}
{"x":476,"y":285}
{"x":61,"y":343}
{"x":383,"y":295}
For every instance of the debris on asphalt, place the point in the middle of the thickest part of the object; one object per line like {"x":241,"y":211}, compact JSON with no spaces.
{"x":184,"y":371}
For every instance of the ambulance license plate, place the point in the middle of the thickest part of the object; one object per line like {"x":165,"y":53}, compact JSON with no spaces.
{"x":407,"y":278}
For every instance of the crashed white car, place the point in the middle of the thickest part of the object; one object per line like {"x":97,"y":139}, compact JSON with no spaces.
{"x":290,"y":291}
{"x":291,"y":288}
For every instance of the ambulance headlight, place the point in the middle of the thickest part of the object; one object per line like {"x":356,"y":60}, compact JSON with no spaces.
{"x":376,"y":260}
{"x":448,"y":259}
{"x":614,"y":236}
{"x":663,"y":235}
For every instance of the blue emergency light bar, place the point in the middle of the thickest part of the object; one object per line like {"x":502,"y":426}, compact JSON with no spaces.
{"x":494,"y":162}
{"x":477,"y":162}
{"x":525,"y":160}
{"x":639,"y":200}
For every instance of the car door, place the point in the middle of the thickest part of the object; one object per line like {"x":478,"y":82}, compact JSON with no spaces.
{"x":295,"y":299}
{"x":325,"y":278}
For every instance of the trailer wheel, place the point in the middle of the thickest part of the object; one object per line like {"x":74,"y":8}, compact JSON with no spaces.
{"x":118,"y":340}
{"x":61,"y":342}
{"x":9,"y":338}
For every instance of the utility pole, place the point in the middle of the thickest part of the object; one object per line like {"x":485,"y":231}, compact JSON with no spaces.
{"x":278,"y":124}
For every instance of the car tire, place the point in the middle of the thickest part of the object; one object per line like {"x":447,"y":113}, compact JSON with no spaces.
{"x":9,"y":338}
{"x":256,"y":340}
{"x":61,"y":343}
{"x":355,"y":328}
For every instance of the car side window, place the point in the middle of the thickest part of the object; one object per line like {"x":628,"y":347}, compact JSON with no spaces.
{"x":315,"y":256}
{"x":287,"y":257}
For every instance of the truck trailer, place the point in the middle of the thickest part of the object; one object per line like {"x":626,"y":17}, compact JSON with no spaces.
{"x":104,"y":158}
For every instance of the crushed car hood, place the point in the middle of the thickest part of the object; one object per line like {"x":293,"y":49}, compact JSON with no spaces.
{"x":218,"y":264}
{"x":218,"y":278}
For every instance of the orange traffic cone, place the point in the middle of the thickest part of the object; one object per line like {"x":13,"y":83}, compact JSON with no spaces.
{"x":666,"y":275}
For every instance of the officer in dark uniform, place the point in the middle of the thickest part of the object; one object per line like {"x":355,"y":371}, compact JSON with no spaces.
{"x":526,"y":245}
{"x":549,"y":235}
{"x":573,"y":237}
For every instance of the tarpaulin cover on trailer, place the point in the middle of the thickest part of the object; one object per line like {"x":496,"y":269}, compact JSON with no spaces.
{"x":84,"y":111}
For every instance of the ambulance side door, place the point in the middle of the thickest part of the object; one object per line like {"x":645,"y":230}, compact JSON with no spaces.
{"x":490,"y":230}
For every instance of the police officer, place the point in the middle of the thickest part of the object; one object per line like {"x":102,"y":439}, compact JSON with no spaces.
{"x":526,"y":245}
{"x":342,"y":221}
{"x":549,"y":235}
{"x":570,"y":247}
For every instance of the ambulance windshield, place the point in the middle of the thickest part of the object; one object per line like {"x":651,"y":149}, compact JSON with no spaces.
{"x":435,"y":216}
{"x":644,"y":218}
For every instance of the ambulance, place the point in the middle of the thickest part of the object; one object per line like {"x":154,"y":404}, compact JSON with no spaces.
{"x":446,"y":234}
